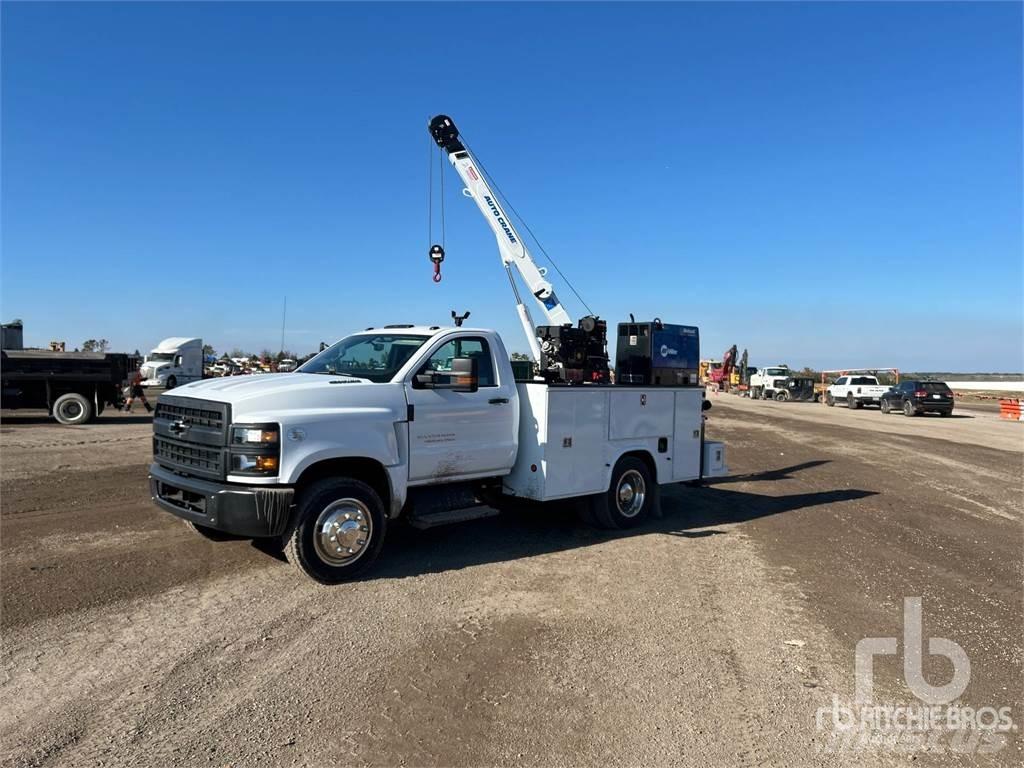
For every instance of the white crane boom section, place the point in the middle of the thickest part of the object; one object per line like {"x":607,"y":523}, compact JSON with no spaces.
{"x":511,"y":248}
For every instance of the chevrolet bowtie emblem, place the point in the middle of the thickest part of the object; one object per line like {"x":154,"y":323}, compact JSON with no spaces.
{"x":179,"y":428}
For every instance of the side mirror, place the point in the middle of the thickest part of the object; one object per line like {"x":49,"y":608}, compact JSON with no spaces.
{"x":463,"y":377}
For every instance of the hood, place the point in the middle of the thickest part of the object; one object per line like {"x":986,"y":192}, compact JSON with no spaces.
{"x":154,"y":367}
{"x":264,"y":396}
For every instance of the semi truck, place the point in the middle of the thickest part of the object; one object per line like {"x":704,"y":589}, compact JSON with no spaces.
{"x":426,"y":423}
{"x":174,"y":361}
{"x":73,"y":387}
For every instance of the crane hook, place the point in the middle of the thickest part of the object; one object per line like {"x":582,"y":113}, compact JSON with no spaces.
{"x":437,"y":256}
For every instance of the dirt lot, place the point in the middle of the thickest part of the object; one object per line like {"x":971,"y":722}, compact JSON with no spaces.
{"x":709,"y":637}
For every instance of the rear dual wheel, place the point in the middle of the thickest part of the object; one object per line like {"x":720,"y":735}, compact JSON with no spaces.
{"x":629,"y":498}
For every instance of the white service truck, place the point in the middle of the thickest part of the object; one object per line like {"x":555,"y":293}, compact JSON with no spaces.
{"x":174,"y":361}
{"x":856,"y":391}
{"x":765,"y":383}
{"x":426,"y":423}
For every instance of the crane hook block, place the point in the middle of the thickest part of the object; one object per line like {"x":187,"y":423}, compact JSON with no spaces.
{"x":437,"y":256}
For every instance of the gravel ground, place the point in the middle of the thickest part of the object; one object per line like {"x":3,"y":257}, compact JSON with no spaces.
{"x":709,"y":637}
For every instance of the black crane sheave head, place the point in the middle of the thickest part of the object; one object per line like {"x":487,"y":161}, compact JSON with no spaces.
{"x":445,"y":134}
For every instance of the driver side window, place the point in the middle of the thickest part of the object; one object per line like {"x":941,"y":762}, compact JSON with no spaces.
{"x":473,"y":347}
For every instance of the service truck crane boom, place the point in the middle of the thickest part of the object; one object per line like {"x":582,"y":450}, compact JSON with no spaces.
{"x":511,"y":248}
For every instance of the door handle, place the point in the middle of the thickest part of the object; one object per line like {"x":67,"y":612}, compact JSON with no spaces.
{"x":498,"y":400}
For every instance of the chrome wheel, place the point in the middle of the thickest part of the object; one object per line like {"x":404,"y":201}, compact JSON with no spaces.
{"x":630,"y":494}
{"x":343,"y":531}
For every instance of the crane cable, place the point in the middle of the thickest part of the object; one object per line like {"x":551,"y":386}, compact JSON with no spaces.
{"x":435,"y":252}
{"x":522,"y":221}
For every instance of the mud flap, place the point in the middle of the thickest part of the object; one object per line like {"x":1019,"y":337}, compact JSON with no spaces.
{"x":656,"y":510}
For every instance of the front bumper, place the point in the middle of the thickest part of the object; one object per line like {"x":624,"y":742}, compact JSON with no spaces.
{"x":240,"y":510}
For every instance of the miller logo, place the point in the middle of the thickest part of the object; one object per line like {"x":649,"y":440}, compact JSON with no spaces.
{"x":667,"y":351}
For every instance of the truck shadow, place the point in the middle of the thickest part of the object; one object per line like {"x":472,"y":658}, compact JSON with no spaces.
{"x":688,"y":512}
{"x":783,"y":473}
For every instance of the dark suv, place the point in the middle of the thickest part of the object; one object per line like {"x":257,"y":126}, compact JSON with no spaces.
{"x":917,"y":397}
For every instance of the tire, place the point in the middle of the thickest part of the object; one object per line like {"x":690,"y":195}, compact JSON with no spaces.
{"x":851,"y":402}
{"x":884,"y":406}
{"x":211,"y":534}
{"x":908,"y":408}
{"x":945,"y":413}
{"x":781,"y":397}
{"x":353,"y":514}
{"x":172,"y":382}
{"x":629,"y":498}
{"x":829,"y":400}
{"x":72,"y":409}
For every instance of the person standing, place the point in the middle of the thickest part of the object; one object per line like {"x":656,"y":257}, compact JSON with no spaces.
{"x":136,"y":392}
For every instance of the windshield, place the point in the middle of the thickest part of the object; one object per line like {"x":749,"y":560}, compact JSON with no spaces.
{"x":161,"y":357}
{"x":777,"y":371}
{"x":373,"y":357}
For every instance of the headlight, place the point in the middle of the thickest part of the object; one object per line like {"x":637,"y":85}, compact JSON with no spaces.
{"x":255,"y":449}
{"x":256,"y":434}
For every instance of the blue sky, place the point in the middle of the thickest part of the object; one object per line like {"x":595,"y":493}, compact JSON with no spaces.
{"x":826,"y":185}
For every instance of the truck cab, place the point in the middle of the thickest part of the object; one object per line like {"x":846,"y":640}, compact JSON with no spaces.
{"x":767,"y":382}
{"x":425,"y":422}
{"x":174,"y":361}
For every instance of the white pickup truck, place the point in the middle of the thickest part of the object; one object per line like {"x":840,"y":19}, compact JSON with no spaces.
{"x":425,"y":423}
{"x":855,"y":391}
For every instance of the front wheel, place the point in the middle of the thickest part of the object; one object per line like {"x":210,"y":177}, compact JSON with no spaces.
{"x":338,"y":530}
{"x":629,"y":498}
{"x":172,"y":382}
{"x":72,"y":409}
{"x":781,"y":396}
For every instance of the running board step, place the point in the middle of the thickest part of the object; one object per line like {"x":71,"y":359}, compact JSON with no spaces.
{"x":435,"y":519}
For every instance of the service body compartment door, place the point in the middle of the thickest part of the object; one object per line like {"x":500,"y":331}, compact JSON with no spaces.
{"x":640,"y":413}
{"x":686,"y":445}
{"x":574,"y":460}
{"x":563,"y":434}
